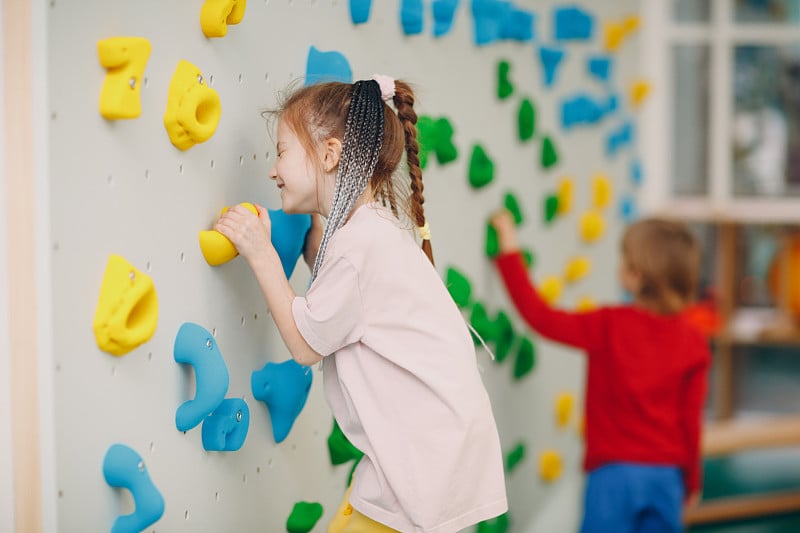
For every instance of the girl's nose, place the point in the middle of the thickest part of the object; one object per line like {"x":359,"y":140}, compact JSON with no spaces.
{"x":273,"y":174}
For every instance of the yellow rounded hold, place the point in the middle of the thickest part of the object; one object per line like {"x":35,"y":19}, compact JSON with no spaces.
{"x":577,"y":269}
{"x":193,"y":108}
{"x":586,"y":303}
{"x":639,"y":91}
{"x":565,"y":192}
{"x":216,"y":247}
{"x":551,"y":289}
{"x":127,"y":310}
{"x":564,"y":404}
{"x":217,"y":14}
{"x":550,"y":465}
{"x":601,"y":191}
{"x":124,"y":58}
{"x":592,"y":226}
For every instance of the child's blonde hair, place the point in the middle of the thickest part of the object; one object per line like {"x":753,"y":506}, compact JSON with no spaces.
{"x":666,"y":255}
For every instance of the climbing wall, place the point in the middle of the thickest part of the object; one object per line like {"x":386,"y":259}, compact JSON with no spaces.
{"x":530,"y":104}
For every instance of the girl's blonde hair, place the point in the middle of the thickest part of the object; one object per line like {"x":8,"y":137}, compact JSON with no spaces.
{"x":666,"y":255}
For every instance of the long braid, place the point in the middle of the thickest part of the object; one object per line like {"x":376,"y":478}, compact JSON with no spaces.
{"x":404,"y":103}
{"x":361,"y":146}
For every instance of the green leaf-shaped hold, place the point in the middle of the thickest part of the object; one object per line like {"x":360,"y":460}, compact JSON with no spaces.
{"x":481,"y":168}
{"x":504,"y":86}
{"x":481,"y":323}
{"x":495,"y":525}
{"x":526,"y":120}
{"x":426,"y":138}
{"x":304,"y":517}
{"x":340,"y":449}
{"x":515,"y":456}
{"x":446,"y":151}
{"x":528,"y":256}
{"x":550,"y":207}
{"x":503,"y":336}
{"x":549,"y":153}
{"x":459,"y":287}
{"x":512,"y":205}
{"x":525,"y":359}
{"x":492,"y":243}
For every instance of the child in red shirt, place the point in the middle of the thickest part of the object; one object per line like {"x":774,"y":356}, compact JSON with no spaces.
{"x":646,"y":377}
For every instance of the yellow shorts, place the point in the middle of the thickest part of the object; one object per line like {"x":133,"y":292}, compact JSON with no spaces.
{"x":348,"y":520}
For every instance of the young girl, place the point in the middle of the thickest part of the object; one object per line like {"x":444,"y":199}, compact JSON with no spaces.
{"x":646,"y":379}
{"x":399,"y":366}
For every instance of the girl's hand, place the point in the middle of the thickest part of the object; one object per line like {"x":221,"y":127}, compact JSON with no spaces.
{"x":503,"y":223}
{"x":250,"y":234}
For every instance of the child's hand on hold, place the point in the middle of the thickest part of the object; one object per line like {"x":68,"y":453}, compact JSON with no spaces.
{"x":503,"y":223}
{"x":250,"y":234}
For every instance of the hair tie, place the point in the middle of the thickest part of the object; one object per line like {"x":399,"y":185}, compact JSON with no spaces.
{"x":424,"y":231}
{"x":387,"y":85}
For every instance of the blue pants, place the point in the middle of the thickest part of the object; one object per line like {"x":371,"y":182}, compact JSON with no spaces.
{"x":633,"y":498}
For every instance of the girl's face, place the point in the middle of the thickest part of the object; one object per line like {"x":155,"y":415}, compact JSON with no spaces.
{"x":629,"y":277}
{"x":294,"y":173}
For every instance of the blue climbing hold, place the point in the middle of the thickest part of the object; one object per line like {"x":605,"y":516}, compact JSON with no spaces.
{"x":225,"y":429}
{"x":288,"y":236}
{"x":124,"y":468}
{"x":284,"y":387}
{"x":327,"y":66}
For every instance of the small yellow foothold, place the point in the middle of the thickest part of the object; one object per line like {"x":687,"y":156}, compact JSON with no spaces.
{"x":193,"y":108}
{"x":124,"y":58}
{"x":565,"y":192}
{"x":564,"y":404}
{"x":592,"y":226}
{"x":601,"y":191}
{"x":216,"y":247}
{"x":127,"y":309}
{"x":551,"y":289}
{"x":577,"y":269}
{"x":630,"y":24}
{"x":585,"y":303}
{"x":550,"y":465}
{"x":639,"y":91}
{"x":217,"y":14}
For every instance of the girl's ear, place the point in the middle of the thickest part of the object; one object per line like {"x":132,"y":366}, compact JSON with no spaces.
{"x":331,"y":154}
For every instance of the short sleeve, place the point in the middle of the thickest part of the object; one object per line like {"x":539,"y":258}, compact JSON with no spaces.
{"x":329,"y":317}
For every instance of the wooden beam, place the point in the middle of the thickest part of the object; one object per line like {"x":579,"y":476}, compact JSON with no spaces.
{"x":742,"y":507}
{"x":732,"y":436}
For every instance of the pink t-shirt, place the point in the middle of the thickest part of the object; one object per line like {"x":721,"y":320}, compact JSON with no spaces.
{"x":402,"y":381}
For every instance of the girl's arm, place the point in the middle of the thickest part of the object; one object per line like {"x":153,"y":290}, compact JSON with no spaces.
{"x":250,"y":235}
{"x":582,"y":330}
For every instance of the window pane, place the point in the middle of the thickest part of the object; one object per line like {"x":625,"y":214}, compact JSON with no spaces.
{"x":766,"y":122}
{"x":690,"y":129}
{"x":692,"y":10}
{"x":768,"y":11}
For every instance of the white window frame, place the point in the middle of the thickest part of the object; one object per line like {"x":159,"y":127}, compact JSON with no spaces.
{"x":659,"y":34}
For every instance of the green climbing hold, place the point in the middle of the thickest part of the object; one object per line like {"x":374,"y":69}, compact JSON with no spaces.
{"x":340,"y":449}
{"x":495,"y":525}
{"x":550,"y":207}
{"x":446,"y":151}
{"x":426,"y":138}
{"x":526,"y":120}
{"x":528,"y":256}
{"x":525,"y":359}
{"x":304,"y":517}
{"x":549,"y":153}
{"x":459,"y":287}
{"x":512,"y":205}
{"x":515,"y":456}
{"x":503,"y":336}
{"x":481,"y":168}
{"x":492,"y":244}
{"x":480,"y":323}
{"x":504,"y":86}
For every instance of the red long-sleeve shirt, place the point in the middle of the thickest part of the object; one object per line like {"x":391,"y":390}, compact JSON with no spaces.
{"x":646,"y":377}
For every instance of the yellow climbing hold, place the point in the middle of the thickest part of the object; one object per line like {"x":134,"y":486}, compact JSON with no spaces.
{"x":566,"y":188}
{"x":127,"y":310}
{"x":193,"y":108}
{"x":601,"y":191}
{"x":585,"y":303}
{"x":550,"y":465}
{"x":577,"y":269}
{"x":124,"y":58}
{"x":564,"y":404}
{"x":616,"y":32}
{"x":216,"y":247}
{"x":592,"y":226}
{"x":638,"y":92}
{"x":217,"y":14}
{"x":551,"y":289}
